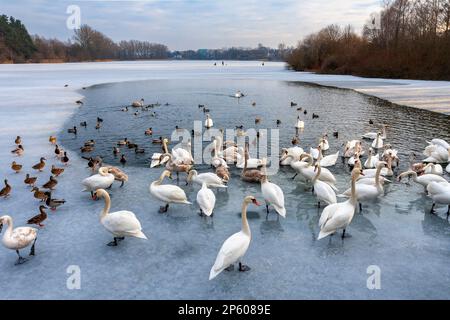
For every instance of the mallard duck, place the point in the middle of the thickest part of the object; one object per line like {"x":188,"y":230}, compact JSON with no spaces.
{"x":149,"y":132}
{"x":98,"y":126}
{"x":38,"y":219}
{"x":52,"y":139}
{"x":18,"y":140}
{"x":122,"y":142}
{"x":157,"y":141}
{"x":19,"y":150}
{"x":30,"y":180}
{"x":131,"y":145}
{"x":58,"y":151}
{"x":123,"y":160}
{"x":6,"y":190}
{"x":257,"y":120}
{"x":56,"y":171}
{"x":83,"y":124}
{"x":86,"y":149}
{"x":139,"y":150}
{"x":16,"y":167}
{"x":53,"y":203}
{"x":293,"y":104}
{"x":50,"y":184}
{"x":89,"y":143}
{"x":40,"y":166}
{"x":65,"y":158}
{"x":38,"y":194}
{"x":118,"y":174}
{"x":72,"y":130}
{"x":116,"y":151}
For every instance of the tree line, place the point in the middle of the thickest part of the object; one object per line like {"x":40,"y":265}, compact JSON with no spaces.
{"x":408,"y":39}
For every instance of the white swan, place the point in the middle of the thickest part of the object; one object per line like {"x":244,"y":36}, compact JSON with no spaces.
{"x":182,"y":155}
{"x":423,"y":180}
{"x":290,"y":154}
{"x":437,"y":151}
{"x":339,"y":215}
{"x":353,"y":159}
{"x":329,"y":160}
{"x":273,"y":195}
{"x":157,"y":160}
{"x":307,"y":171}
{"x":120,"y":223}
{"x":235,"y":247}
{"x":299,"y":124}
{"x":252,"y":163}
{"x":102,"y":180}
{"x":206,"y":200}
{"x":208,"y":122}
{"x":324,"y":145}
{"x":18,"y":238}
{"x":216,"y":160}
{"x":167,"y":193}
{"x":372,"y":160}
{"x":434,"y":169}
{"x":211,"y":179}
{"x":448,"y":168}
{"x":322,"y":190}
{"x":373,"y":135}
{"x":377,"y":142}
{"x":440,"y":193}
{"x":314,"y":152}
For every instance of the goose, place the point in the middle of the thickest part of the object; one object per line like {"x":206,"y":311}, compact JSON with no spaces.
{"x":53,"y":203}
{"x":102,"y":180}
{"x":368,"y":191}
{"x":211,"y":179}
{"x":437,"y":151}
{"x":167,"y":193}
{"x":138,"y":103}
{"x":39,"y":218}
{"x":373,"y":135}
{"x":440,"y":193}
{"x":307,"y":171}
{"x":50,"y":184}
{"x":18,"y":140}
{"x":329,"y":160}
{"x":118,"y":174}
{"x":250,"y":175}
{"x":273,"y":195}
{"x":372,"y":160}
{"x":323,"y":191}
{"x":120,"y":223}
{"x":339,"y":215}
{"x":52,"y":139}
{"x":18,"y":151}
{"x":56,"y":171}
{"x":18,"y":238}
{"x":30,"y":180}
{"x":16,"y":167}
{"x":423,"y":180}
{"x":38,"y":194}
{"x":206,"y":200}
{"x":299,"y":124}
{"x":290,"y":154}
{"x":434,"y":169}
{"x":208,"y":122}
{"x":235,"y":247}
{"x":6,"y":191}
{"x":40,"y":166}
{"x":324,"y":145}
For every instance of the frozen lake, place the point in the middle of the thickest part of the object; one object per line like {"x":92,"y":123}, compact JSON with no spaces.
{"x":397,"y":233}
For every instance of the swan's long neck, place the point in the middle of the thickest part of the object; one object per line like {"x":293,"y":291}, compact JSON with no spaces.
{"x":165,"y":146}
{"x":353,"y":195}
{"x":377,"y":175}
{"x":9,"y":230}
{"x":309,"y":159}
{"x":107,"y":206}
{"x":319,"y":169}
{"x":245,"y":226}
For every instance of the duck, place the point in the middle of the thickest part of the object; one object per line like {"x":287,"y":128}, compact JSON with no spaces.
{"x":372,"y":160}
{"x":257,"y":120}
{"x":423,"y":180}
{"x":206,"y":200}
{"x":338,"y":216}
{"x":323,"y":191}
{"x":293,"y":104}
{"x":53,"y":203}
{"x":16,"y":167}
{"x":39,"y":218}
{"x":138,"y":103}
{"x":30,"y":180}
{"x":40,"y":166}
{"x":238,"y":94}
{"x":19,"y":150}
{"x":83,"y":124}
{"x":72,"y":130}
{"x":118,"y":174}
{"x":122,"y":142}
{"x":373,"y":135}
{"x":89,"y":143}
{"x":377,"y":142}
{"x":148,"y":132}
{"x":211,"y":179}
{"x":38,"y":194}
{"x":56,"y":171}
{"x":323,"y":143}
{"x":131,"y":145}
{"x":123,"y":160}
{"x":273,"y":195}
{"x":116,"y":151}
{"x":315,"y":116}
{"x":295,"y":140}
{"x":102,"y":180}
{"x":208,"y":122}
{"x":440,"y":194}
{"x":235,"y":247}
{"x":86,"y":149}
{"x":138,"y":150}
{"x":18,"y":140}
{"x":290,"y":154}
{"x":278,"y":122}
{"x":125,"y":109}
{"x":50,"y":184}
{"x":6,"y":191}
{"x":299,"y":124}
{"x":18,"y":238}
{"x":250,"y":175}
{"x":65,"y":158}
{"x":58,"y":152}
{"x":167,"y":193}
{"x":52,"y":139}
{"x":120,"y":223}
{"x":253,"y":104}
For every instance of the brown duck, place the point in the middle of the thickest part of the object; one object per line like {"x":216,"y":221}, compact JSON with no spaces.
{"x":53,"y":203}
{"x":87,"y":149}
{"x":30,"y":180}
{"x":40,"y":166}
{"x":50,"y":184}
{"x":18,"y":151}
{"x":16,"y":167}
{"x":6,"y":190}
{"x":56,"y":171}
{"x":65,"y":158}
{"x":52,"y":139}
{"x":38,"y":219}
{"x":38,"y":194}
{"x":18,"y":140}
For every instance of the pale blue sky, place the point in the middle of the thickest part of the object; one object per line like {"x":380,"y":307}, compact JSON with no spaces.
{"x":193,"y":24}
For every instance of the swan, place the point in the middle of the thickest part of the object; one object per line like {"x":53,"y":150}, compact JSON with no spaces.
{"x":372,"y":160}
{"x":216,"y":160}
{"x":208,"y":122}
{"x":307,"y":171}
{"x":235,"y":247}
{"x":294,"y":152}
{"x":423,"y":180}
{"x":371,"y":173}
{"x":329,"y":160}
{"x":448,"y":168}
{"x":323,"y":191}
{"x":176,"y":166}
{"x":18,"y":238}
{"x":211,"y":179}
{"x":120,"y":223}
{"x":138,"y":103}
{"x":377,"y":142}
{"x":167,"y":193}
{"x":339,"y":215}
{"x":252,"y":163}
{"x":206,"y":200}
{"x":434,"y":169}
{"x":324,"y":145}
{"x":273,"y":195}
{"x":373,"y":135}
{"x":182,"y":156}
{"x":315,"y":152}
{"x":250,"y":175}
{"x":440,"y":193}
{"x":156,"y":157}
{"x":353,"y":159}
{"x":350,"y":148}
{"x":299,"y":124}
{"x":437,"y":151}
{"x":102,"y":180}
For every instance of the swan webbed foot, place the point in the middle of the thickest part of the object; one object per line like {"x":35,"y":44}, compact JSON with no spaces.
{"x":113,"y":243}
{"x":230,"y":268}
{"x":163,"y":208}
{"x":21,"y":259}
{"x":243,"y":268}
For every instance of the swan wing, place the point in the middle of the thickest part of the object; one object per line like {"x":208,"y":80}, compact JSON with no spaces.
{"x":273,"y":194}
{"x":339,"y":219}
{"x":122,"y":223}
{"x":330,"y":160}
{"x":206,"y":200}
{"x":324,"y":192}
{"x":169,"y":193}
{"x":23,"y":236}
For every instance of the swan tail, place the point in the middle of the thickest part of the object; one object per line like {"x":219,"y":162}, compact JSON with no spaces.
{"x":140,"y":235}
{"x":281,"y":211}
{"x":324,"y":234}
{"x":342,"y":195}
{"x":214,"y":273}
